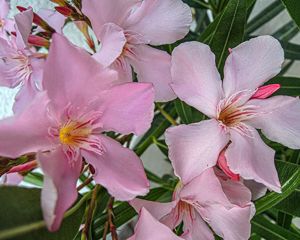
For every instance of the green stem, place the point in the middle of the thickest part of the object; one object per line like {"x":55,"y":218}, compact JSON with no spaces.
{"x":21,"y":230}
{"x":166,"y":115}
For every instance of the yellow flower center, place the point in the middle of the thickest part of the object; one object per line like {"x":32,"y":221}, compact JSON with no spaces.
{"x":74,"y":133}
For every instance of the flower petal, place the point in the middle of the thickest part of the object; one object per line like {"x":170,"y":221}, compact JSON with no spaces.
{"x":59,"y":191}
{"x":55,"y":19}
{"x":122,"y":66}
{"x":278,"y":119}
{"x":158,"y":210}
{"x":250,"y":157}
{"x":195,"y":77}
{"x":107,"y":11}
{"x":251,"y":64}
{"x":145,"y":226}
{"x":195,"y":147}
{"x":197,"y":229}
{"x":119,"y":170}
{"x":193,"y":191}
{"x":69,"y":71}
{"x":156,"y":72}
{"x":113,"y":41}
{"x":160,"y":22}
{"x":231,"y":224}
{"x":11,"y":179}
{"x":23,"y":27}
{"x":27,"y":131}
{"x":4,"y":9}
{"x":128,"y":108}
{"x":258,"y":190}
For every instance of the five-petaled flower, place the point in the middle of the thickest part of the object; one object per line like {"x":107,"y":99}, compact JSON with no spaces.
{"x":210,"y":197}
{"x":125,"y":27}
{"x":64,"y":125}
{"x":236,"y":107}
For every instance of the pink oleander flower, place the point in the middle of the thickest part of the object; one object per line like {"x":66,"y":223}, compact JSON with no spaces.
{"x":210,"y":197}
{"x":125,"y":27}
{"x":65,"y":123}
{"x":6,"y":24}
{"x":148,"y":228}
{"x":236,"y":106}
{"x":19,"y":65}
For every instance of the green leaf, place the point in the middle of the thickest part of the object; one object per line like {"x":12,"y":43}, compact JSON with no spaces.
{"x":291,"y":205}
{"x":265,"y":228}
{"x":289,"y":175}
{"x":293,"y":7}
{"x":284,"y":220}
{"x":265,"y":16}
{"x":289,"y":85}
{"x":286,"y":32}
{"x":229,"y":31}
{"x":34,"y":178}
{"x":291,"y":50}
{"x":184,"y":111}
{"x":20,"y":211}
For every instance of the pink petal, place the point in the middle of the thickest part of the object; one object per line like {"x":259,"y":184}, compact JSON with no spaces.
{"x":69,"y":71}
{"x":23,"y":27}
{"x":107,"y":11}
{"x":59,"y":191}
{"x":113,"y":41}
{"x":236,"y":192}
{"x":193,"y":191}
{"x":195,"y":77}
{"x":250,"y":157}
{"x":11,"y":179}
{"x":197,"y":229}
{"x":122,"y":66}
{"x":24,"y":167}
{"x":26,"y":132}
{"x":156,"y":72}
{"x":4,"y":9}
{"x":119,"y":170}
{"x":278,"y":119}
{"x":195,"y":147}
{"x":160,"y":22}
{"x":26,"y":95}
{"x":231,"y":224}
{"x":128,"y":108}
{"x":265,"y":91}
{"x":148,"y":228}
{"x":222,"y":163}
{"x":158,"y":210}
{"x":53,"y":18}
{"x":252,"y":63}
{"x":258,"y":190}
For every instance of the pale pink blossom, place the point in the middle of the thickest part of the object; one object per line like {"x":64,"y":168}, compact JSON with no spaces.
{"x":65,"y":123}
{"x":6,"y":24}
{"x":236,"y":106}
{"x":210,"y":198}
{"x":11,"y":179}
{"x":125,"y":27}
{"x":148,"y":228}
{"x":19,"y":65}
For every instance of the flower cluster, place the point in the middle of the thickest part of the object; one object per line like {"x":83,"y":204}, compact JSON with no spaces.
{"x":69,"y":101}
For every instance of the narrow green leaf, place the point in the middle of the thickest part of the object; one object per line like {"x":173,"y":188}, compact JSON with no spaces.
{"x":184,"y":111}
{"x":291,"y":50}
{"x":286,"y":32}
{"x":34,"y":178}
{"x":21,"y":211}
{"x":289,"y":85}
{"x":265,"y":16}
{"x":229,"y":31}
{"x":265,"y":228}
{"x":293,"y":7}
{"x":289,"y":174}
{"x":291,"y":205}
{"x":284,"y":220}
